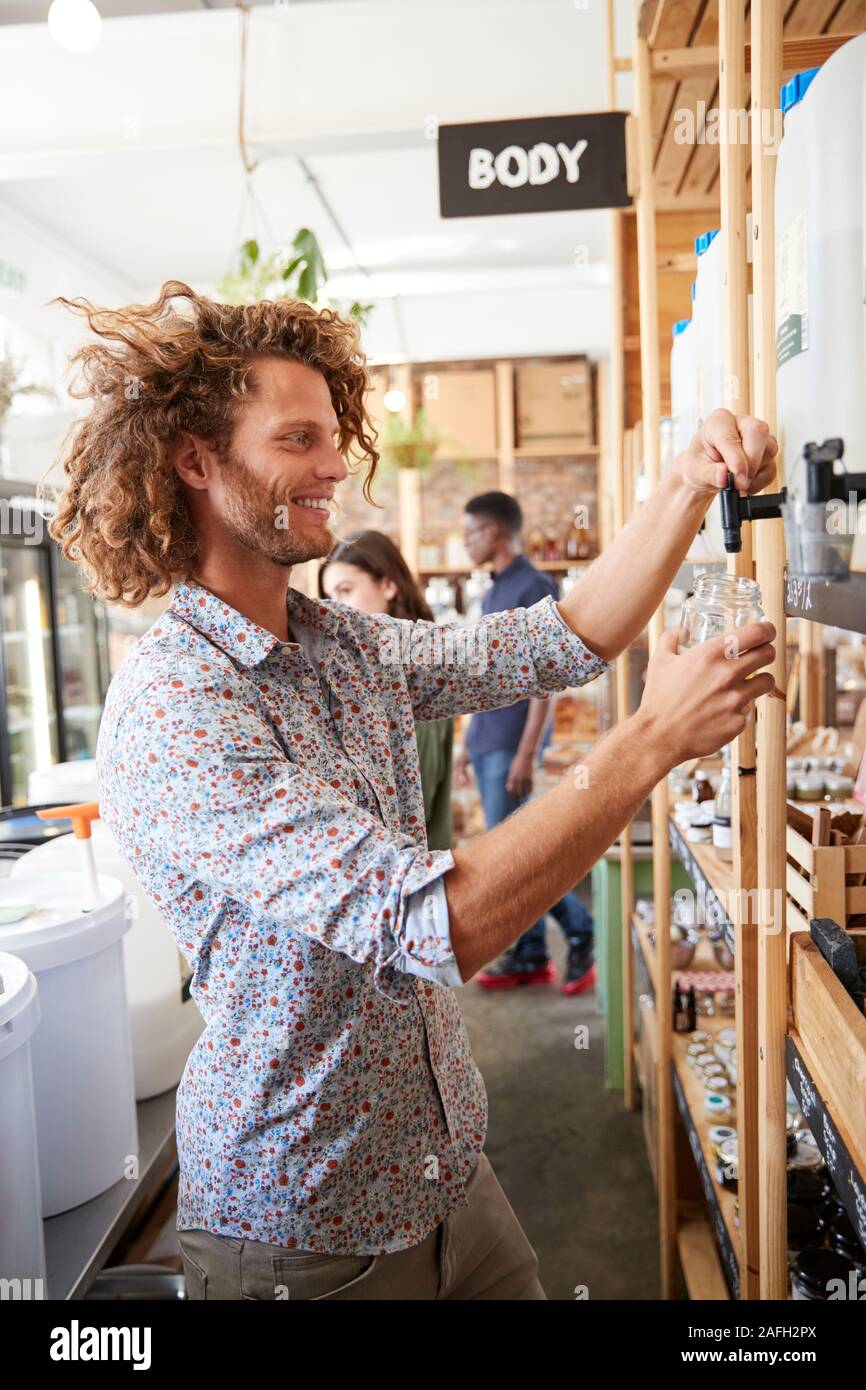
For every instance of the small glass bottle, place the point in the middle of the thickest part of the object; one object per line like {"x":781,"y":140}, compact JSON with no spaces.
{"x":536,"y":544}
{"x":702,"y":790}
{"x":723,"y":840}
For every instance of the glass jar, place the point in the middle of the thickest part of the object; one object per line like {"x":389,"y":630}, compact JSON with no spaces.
{"x":814,"y":1270}
{"x":807,"y":1228}
{"x":720,"y":603}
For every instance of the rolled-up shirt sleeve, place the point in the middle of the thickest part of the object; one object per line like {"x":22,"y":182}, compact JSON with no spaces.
{"x":235,"y":814}
{"x":427,"y":914}
{"x":464,"y":668}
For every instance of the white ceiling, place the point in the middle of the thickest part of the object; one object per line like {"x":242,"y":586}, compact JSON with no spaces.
{"x":129,"y":155}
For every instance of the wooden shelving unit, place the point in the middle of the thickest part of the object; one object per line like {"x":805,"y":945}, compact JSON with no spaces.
{"x":689,"y":57}
{"x":711,"y":1242}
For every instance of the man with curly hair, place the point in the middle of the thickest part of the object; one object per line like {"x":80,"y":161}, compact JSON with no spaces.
{"x":257,"y":763}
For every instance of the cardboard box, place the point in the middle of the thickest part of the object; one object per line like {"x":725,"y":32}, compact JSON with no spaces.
{"x":461,"y":405}
{"x":555,"y":405}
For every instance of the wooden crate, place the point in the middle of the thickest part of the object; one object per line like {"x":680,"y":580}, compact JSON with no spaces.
{"x":832,"y":1034}
{"x":822,"y":881}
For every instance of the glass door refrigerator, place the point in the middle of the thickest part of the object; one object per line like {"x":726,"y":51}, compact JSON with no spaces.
{"x":53,"y":651}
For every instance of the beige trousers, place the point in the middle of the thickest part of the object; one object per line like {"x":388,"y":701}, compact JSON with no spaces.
{"x":478,"y":1252}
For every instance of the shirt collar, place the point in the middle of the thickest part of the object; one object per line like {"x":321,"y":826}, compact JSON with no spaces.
{"x":242,"y":639}
{"x":511,"y":568}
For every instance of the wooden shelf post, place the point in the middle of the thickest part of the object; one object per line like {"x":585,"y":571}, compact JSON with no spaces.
{"x":408,"y":480}
{"x":505,"y":426}
{"x":766,"y":34}
{"x":611,"y":413}
{"x":651,"y":410}
{"x":733,"y":153}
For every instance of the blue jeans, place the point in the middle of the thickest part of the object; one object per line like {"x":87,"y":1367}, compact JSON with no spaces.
{"x":491,"y":772}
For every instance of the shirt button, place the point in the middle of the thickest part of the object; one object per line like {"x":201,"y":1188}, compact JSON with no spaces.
{"x":430,"y":905}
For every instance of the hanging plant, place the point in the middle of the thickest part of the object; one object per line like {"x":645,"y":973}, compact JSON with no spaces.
{"x":410,"y":446}
{"x":298,"y":272}
{"x":11,"y":386}
{"x":415,"y":446}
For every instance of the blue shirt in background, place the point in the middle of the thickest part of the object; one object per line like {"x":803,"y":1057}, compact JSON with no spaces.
{"x":519,"y":585}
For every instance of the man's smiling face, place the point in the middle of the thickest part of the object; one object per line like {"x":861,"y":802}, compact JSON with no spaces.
{"x":273,"y":489}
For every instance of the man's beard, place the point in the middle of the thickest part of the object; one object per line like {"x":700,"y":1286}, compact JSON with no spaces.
{"x":258,"y":517}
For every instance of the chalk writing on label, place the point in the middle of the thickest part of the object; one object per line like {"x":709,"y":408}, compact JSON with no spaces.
{"x":799,"y":593}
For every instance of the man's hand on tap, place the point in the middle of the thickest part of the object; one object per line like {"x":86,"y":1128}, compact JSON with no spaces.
{"x":727,"y":443}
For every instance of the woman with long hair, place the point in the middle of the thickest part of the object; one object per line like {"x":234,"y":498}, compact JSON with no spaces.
{"x":367,"y":571}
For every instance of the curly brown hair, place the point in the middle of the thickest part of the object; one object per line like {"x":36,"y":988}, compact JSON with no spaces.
{"x":155,"y":374}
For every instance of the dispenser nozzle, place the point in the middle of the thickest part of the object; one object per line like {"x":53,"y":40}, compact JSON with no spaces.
{"x":82,"y":814}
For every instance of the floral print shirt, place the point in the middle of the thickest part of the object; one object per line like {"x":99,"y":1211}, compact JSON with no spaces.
{"x":268,"y":797}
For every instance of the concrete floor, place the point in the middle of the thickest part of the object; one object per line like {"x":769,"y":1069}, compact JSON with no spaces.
{"x":570,"y":1158}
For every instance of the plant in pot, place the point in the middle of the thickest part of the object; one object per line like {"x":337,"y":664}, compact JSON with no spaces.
{"x":12,"y":386}
{"x":414,"y":446}
{"x":294,"y":272}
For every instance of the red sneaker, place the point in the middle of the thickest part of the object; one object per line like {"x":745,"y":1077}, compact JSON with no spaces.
{"x":580,"y":984}
{"x":508,"y":973}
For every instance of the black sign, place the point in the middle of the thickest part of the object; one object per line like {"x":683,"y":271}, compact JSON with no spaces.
{"x":536,"y":164}
{"x":847,"y":1179}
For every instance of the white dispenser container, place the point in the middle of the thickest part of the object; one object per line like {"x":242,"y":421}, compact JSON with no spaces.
{"x":164,"y":1020}
{"x":711,"y":329}
{"x":22,"y":1251}
{"x":71,"y":939}
{"x":684,"y":384}
{"x":821,"y":265}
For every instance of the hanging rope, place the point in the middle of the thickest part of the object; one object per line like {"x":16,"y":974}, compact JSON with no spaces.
{"x":249,"y":164}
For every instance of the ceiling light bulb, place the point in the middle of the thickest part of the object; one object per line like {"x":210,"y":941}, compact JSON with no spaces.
{"x":75,"y":25}
{"x":394,"y":400}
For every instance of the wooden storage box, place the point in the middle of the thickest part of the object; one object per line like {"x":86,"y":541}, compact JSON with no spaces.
{"x":823,"y":881}
{"x":555,"y":405}
{"x":831,"y":1034}
{"x":461,"y":405}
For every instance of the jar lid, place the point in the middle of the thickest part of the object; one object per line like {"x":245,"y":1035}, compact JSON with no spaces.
{"x":716,"y":1104}
{"x":719,"y":1133}
{"x":807,"y":1154}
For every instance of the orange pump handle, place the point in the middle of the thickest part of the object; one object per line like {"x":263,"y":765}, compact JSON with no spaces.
{"x":81,"y":815}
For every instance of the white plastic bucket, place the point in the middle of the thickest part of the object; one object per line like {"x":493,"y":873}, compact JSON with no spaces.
{"x":81,"y":1053}
{"x":22,"y":1250}
{"x":65,"y":784}
{"x":163,"y":1018}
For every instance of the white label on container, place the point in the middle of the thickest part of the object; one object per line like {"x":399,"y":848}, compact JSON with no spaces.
{"x":723,"y":835}
{"x":792,"y":291}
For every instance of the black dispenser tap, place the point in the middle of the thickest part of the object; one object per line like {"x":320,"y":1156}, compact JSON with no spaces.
{"x":737,"y":509}
{"x":823,"y":483}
